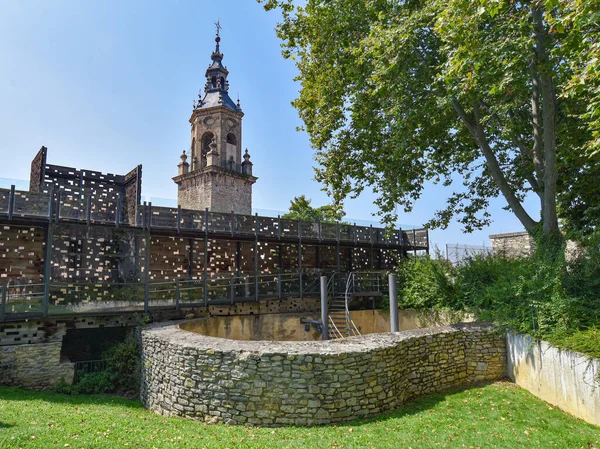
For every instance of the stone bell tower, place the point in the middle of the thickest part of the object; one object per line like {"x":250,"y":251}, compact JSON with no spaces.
{"x":216,"y":177}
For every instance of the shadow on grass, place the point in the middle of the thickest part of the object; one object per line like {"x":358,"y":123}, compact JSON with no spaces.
{"x":411,"y":407}
{"x":19,"y":394}
{"x":5,"y":425}
{"x":417,"y":405}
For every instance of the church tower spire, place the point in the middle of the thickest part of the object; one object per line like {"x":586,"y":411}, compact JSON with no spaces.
{"x":216,"y":179}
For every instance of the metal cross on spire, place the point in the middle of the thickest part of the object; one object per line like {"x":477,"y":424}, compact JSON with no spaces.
{"x":218,"y":26}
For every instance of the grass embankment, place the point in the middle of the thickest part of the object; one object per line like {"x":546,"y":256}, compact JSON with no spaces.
{"x":499,"y":415}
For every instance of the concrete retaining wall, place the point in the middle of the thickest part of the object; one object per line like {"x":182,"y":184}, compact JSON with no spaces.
{"x":566,"y":379}
{"x":309,"y":383}
{"x":287,"y":326}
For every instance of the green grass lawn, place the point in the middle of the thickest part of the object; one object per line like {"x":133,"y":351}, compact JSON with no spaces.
{"x":499,"y":415}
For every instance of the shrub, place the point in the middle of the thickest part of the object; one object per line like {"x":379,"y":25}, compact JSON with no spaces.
{"x":122,"y":373}
{"x":544,"y":295}
{"x":124,"y":365}
{"x":426,"y":283}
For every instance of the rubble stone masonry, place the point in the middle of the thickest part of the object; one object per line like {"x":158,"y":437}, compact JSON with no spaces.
{"x":310,"y":383}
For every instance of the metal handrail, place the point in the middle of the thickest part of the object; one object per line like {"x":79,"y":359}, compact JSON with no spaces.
{"x":335,"y":327}
{"x":349,"y":321}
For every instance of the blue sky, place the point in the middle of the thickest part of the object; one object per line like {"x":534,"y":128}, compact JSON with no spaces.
{"x":109,"y":85}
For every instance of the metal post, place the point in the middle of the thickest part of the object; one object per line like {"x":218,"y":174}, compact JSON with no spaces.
{"x":147,"y":274}
{"x":371,"y":261}
{"x":149,"y":214}
{"x":337,"y":246}
{"x":144,"y":215}
{"x":177,"y":294}
{"x":58,"y":204}
{"x":231,"y":221}
{"x":205,"y":287}
{"x":47,"y":266}
{"x":393,"y":303}
{"x":279,"y":285}
{"x":11,"y":202}
{"x":50,"y":200}
{"x":427,"y":237}
{"x":414,"y":243}
{"x":300,"y":258}
{"x":118,"y":210}
{"x":88,"y":208}
{"x":256,"y":257}
{"x":324,"y":311}
{"x":232,"y":289}
{"x":319,"y":230}
{"x":178,"y":219}
{"x":278,"y":226}
{"x":3,"y":304}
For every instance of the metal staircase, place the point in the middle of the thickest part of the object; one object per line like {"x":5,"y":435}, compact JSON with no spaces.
{"x":341,"y":324}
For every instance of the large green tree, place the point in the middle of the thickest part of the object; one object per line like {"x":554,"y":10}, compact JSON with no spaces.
{"x":396,"y":93}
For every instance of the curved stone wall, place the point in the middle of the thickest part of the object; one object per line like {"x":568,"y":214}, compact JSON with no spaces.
{"x":309,"y":383}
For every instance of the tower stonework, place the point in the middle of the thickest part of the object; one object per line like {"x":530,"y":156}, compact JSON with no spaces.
{"x":214,"y":175}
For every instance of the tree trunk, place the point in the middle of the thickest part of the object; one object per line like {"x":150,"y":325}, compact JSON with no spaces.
{"x":549,"y":214}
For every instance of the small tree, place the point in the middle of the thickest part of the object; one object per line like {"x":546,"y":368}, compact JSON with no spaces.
{"x":300,"y":209}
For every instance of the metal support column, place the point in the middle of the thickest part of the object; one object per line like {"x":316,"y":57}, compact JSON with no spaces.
{"x":3,"y":303}
{"x":300,"y":258}
{"x":324,"y":310}
{"x":118,"y":210}
{"x":47,"y":267}
{"x":11,"y":202}
{"x":256,"y":257}
{"x":393,"y":303}
{"x":414,"y":243}
{"x":88,"y":208}
{"x":147,"y":273}
{"x":177,"y":294}
{"x":337,"y":247}
{"x":205,"y":264}
{"x":371,"y":257}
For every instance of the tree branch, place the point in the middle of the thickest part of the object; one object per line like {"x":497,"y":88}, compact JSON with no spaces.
{"x":476,"y":130}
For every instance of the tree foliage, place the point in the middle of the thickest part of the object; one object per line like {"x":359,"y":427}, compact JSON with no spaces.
{"x":300,"y":209}
{"x":486,"y":93}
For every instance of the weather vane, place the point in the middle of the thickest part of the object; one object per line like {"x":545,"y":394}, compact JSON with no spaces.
{"x":218,"y":26}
